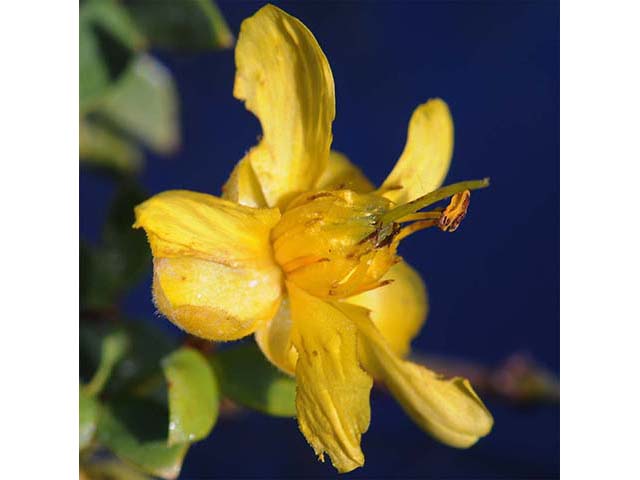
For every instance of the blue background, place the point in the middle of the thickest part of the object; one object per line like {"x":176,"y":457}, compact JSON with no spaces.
{"x":494,"y":284}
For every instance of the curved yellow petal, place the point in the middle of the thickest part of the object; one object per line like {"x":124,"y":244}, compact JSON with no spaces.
{"x":214,"y":275}
{"x":448,"y":409}
{"x":243,"y":186}
{"x":425,"y":161}
{"x":274,"y":339}
{"x":342,"y":174}
{"x":399,"y":309}
{"x":332,"y":396}
{"x":181,"y":222}
{"x":285,"y":80}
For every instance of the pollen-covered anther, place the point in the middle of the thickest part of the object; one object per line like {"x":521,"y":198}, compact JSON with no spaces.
{"x":455,"y":212}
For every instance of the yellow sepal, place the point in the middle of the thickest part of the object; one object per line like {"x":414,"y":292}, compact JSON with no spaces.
{"x":398,"y":309}
{"x":448,"y":409}
{"x":332,"y":397}
{"x":425,"y":161}
{"x":284,"y":78}
{"x":214,"y":275}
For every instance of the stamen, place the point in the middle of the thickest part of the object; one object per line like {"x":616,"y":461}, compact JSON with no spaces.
{"x":448,"y":220}
{"x":430,"y":198}
{"x":455,"y":212}
{"x":415,"y":227}
{"x":414,"y":217}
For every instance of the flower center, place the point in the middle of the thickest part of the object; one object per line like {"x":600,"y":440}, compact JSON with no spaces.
{"x":335,"y":244}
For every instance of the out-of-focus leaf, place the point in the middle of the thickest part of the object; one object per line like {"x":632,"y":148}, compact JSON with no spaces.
{"x":89,"y":410}
{"x":181,"y":25}
{"x":108,"y":41}
{"x":103,"y":147}
{"x":94,"y":74}
{"x":118,"y":229}
{"x":144,"y":103}
{"x":193,"y":395}
{"x":112,"y":469}
{"x":247,"y":378}
{"x":121,"y":259}
{"x":139,"y":372}
{"x":115,"y":19}
{"x":126,"y":247}
{"x":114,"y":347}
{"x":134,"y":430}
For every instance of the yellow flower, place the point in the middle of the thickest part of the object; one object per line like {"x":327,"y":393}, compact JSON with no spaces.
{"x":302,"y":251}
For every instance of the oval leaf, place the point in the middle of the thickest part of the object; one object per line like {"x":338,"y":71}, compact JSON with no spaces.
{"x":193,"y":396}
{"x":101,"y":146}
{"x":247,"y":378}
{"x":144,"y":103}
{"x":134,"y":431}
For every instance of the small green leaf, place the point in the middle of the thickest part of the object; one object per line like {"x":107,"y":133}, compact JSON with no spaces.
{"x":183,"y":25}
{"x":108,"y":41}
{"x":114,"y":347}
{"x":94,"y":74}
{"x":115,"y":19}
{"x":134,"y":429}
{"x":193,"y":395}
{"x":139,"y":373}
{"x":89,"y":410}
{"x":144,"y":103}
{"x":127,"y":247}
{"x":122,"y":258}
{"x":247,"y":378}
{"x":103,"y":147}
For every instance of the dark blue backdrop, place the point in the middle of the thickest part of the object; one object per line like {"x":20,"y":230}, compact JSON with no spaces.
{"x":494,"y":284}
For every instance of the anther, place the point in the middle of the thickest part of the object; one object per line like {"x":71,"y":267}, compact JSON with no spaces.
{"x":455,"y":212}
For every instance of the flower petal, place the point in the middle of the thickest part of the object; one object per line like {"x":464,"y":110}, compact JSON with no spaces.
{"x":399,"y":309}
{"x":180,"y":222}
{"x":243,"y":186}
{"x":285,"y":80}
{"x":213,"y":270}
{"x":448,"y":409}
{"x":425,"y":161}
{"x":332,"y":397}
{"x":341,"y":173}
{"x":274,"y":339}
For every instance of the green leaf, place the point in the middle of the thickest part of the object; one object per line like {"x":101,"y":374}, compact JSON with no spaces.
{"x":193,"y":395}
{"x":114,"y":347}
{"x":144,"y":103}
{"x":125,"y":248}
{"x":94,"y":74}
{"x":89,"y":410}
{"x":122,"y":258}
{"x":116,"y":20}
{"x":104,"y":147}
{"x":247,"y":378}
{"x":134,"y":429}
{"x":183,"y":25}
{"x":108,"y":41}
{"x":139,"y":372}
